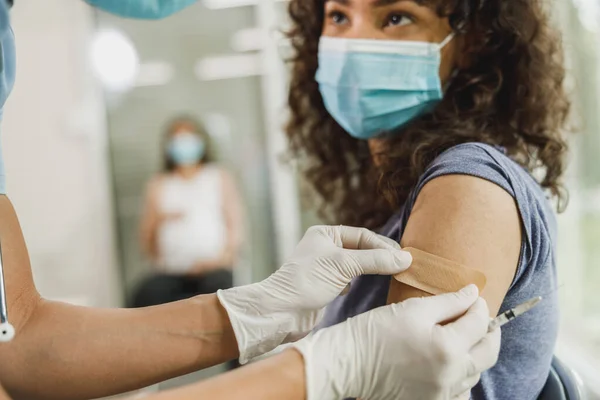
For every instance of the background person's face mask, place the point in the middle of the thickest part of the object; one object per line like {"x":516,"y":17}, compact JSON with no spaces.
{"x":372,"y":87}
{"x":186,"y":149}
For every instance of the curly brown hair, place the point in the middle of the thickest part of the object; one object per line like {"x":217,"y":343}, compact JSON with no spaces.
{"x":511,"y":95}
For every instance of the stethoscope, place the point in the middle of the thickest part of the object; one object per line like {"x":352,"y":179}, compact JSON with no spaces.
{"x":7,"y":331}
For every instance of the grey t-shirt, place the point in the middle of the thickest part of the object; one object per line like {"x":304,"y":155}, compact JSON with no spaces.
{"x":528,"y":342}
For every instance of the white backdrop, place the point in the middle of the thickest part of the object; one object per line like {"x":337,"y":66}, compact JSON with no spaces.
{"x":55,"y":149}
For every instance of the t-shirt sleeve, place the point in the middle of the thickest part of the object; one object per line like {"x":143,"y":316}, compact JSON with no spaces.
{"x":468,"y":159}
{"x":489,"y":163}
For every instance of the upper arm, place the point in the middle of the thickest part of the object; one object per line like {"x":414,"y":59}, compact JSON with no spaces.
{"x":473,"y":222}
{"x":151,"y":198}
{"x":148,"y":224}
{"x":231,"y":200}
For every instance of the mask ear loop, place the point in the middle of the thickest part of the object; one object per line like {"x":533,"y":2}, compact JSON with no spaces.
{"x":447,"y":40}
{"x":455,"y":72}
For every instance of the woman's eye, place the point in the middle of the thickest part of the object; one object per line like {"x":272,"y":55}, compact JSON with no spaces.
{"x":338,"y":18}
{"x":399,"y":20}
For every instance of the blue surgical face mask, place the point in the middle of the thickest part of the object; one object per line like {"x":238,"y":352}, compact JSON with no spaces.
{"x":142,"y":9}
{"x":186,"y":149}
{"x":374,"y":87}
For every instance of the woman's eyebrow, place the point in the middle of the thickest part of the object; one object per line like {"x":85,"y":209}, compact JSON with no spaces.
{"x":376,"y":3}
{"x":384,"y":3}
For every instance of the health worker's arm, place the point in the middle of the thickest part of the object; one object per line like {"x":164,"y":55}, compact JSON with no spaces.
{"x":370,"y":357}
{"x":472,"y":222}
{"x":66,"y":352}
{"x":346,"y":360}
{"x":279,"y":377}
{"x":276,"y":378}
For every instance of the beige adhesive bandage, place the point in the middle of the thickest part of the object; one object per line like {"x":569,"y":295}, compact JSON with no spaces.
{"x":436,"y":275}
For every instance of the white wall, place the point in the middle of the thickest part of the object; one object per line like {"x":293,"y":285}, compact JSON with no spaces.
{"x":54,"y":140}
{"x":285,"y":195}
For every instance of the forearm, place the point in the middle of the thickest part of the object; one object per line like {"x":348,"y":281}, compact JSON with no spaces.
{"x":279,"y":377}
{"x":235,"y":237}
{"x":230,"y":253}
{"x":148,"y":242}
{"x":150,"y":221}
{"x":88,"y":353}
{"x":233,"y":212}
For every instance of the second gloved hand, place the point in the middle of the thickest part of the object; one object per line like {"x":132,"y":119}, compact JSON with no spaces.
{"x":401,"y":352}
{"x":289,"y":303}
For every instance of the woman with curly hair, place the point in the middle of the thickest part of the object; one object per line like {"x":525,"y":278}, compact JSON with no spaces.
{"x":440,"y":121}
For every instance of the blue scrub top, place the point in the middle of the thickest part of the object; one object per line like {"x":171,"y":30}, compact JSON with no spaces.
{"x":140,"y":9}
{"x":7,"y":72}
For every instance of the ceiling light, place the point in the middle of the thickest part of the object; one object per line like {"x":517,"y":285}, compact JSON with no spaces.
{"x":114,"y":60}
{"x":229,"y":67}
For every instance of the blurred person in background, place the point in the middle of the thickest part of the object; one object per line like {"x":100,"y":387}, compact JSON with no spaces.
{"x":191,"y":227}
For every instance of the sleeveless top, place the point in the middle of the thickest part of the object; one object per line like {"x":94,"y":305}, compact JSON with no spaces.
{"x":528,"y":342}
{"x":199,"y":233}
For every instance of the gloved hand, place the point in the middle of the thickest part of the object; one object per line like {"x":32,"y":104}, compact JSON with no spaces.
{"x":401,"y":352}
{"x":288,"y":304}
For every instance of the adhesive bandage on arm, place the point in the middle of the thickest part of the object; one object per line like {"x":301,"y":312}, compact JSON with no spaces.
{"x":432,"y":275}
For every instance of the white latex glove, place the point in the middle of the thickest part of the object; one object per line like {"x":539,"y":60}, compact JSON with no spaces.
{"x":400,"y":352}
{"x":288,"y":304}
